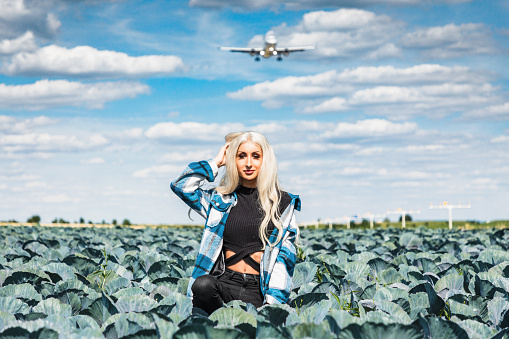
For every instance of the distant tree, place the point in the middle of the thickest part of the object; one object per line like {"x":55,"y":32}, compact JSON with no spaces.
{"x":62,"y":221}
{"x":90,"y":222}
{"x":114,"y":222}
{"x":103,"y":222}
{"x":407,"y":218}
{"x":126,"y":222}
{"x":54,"y":221}
{"x":35,"y":219}
{"x":365,"y":223}
{"x":386,"y":220}
{"x":82,"y":221}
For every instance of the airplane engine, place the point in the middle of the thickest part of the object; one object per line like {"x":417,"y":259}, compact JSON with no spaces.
{"x":253,"y":52}
{"x":286,"y":52}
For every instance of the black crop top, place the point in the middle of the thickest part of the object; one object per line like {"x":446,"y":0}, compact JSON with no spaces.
{"x":241,"y":233}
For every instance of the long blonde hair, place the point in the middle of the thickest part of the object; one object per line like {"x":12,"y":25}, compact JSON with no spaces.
{"x":267,"y":182}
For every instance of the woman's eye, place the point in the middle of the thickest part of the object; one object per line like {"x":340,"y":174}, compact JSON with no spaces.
{"x":241,"y":156}
{"x":256,"y":156}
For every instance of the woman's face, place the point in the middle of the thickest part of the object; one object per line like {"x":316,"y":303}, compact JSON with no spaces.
{"x":249,"y":160}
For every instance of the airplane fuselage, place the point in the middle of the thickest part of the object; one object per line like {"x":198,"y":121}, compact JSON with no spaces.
{"x":270,"y":46}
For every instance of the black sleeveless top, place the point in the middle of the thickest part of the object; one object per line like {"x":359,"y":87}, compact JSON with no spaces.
{"x":241,"y":233}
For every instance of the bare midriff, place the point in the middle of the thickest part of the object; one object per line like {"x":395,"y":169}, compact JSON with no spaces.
{"x":241,"y":266}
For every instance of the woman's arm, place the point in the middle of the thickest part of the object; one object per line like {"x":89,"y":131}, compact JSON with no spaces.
{"x":187,"y":185}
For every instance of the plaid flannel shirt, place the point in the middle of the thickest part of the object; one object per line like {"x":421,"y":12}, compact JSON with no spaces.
{"x":278,"y":261}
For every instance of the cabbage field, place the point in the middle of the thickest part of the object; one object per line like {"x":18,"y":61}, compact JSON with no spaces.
{"x":131,"y":283}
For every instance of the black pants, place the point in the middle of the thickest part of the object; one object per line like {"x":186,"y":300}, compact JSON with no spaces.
{"x":209,"y":293}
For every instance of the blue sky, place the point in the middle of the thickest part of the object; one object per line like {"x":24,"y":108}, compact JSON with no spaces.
{"x":403,"y":103}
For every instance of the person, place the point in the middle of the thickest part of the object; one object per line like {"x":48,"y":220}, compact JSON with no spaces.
{"x":247,"y":251}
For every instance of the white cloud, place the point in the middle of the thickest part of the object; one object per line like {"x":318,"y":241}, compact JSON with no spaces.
{"x":93,"y":161}
{"x":57,"y":198}
{"x":306,"y":4}
{"x":45,"y":94}
{"x":159,"y":171}
{"x":388,"y":50}
{"x":342,"y":33}
{"x":423,"y":89}
{"x":45,"y":142}
{"x":36,"y":184}
{"x":13,"y":125}
{"x":189,"y":156}
{"x":369,"y":128}
{"x":451,"y":40}
{"x":497,"y":112}
{"x":131,"y":133}
{"x":294,"y":87}
{"x":191,"y":131}
{"x":335,"y":104}
{"x":18,"y":16}
{"x":502,"y":138}
{"x":86,"y":61}
{"x":26,"y":42}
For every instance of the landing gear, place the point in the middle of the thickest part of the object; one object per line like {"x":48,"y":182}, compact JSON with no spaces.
{"x":279,"y":58}
{"x":257,"y":58}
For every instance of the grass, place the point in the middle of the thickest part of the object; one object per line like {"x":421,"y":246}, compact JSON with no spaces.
{"x":436,"y":224}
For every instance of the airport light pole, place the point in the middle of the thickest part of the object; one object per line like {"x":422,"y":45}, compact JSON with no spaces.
{"x":403,"y":214}
{"x":373,"y":216}
{"x":446,"y":205}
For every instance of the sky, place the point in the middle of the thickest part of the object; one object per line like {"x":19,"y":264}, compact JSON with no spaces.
{"x":402,"y":104}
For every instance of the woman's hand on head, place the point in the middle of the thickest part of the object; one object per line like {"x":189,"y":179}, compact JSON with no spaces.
{"x":220,"y":159}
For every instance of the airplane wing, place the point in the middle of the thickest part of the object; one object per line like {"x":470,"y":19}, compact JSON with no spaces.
{"x":287,"y":50}
{"x":242,"y":49}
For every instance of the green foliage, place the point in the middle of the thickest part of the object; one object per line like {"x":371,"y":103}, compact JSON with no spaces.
{"x":34,"y":219}
{"x":407,"y":218}
{"x":122,"y":282}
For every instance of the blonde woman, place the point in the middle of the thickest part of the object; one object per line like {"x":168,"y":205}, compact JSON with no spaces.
{"x":247,"y":250}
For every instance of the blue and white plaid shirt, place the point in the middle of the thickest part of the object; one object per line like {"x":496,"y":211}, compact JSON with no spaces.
{"x":278,"y":262}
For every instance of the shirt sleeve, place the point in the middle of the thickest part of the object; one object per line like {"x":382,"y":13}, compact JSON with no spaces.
{"x":187,"y":185}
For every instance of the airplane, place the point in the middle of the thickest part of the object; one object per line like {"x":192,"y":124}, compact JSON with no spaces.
{"x":269,"y":50}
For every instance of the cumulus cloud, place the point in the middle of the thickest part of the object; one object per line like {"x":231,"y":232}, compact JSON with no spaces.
{"x":495,"y":112}
{"x":191,"y":131}
{"x":25,"y":42}
{"x":306,"y":4}
{"x":159,"y":171}
{"x":45,"y":142}
{"x":86,"y":61}
{"x":93,"y":161}
{"x":500,"y":139}
{"x":368,"y":128}
{"x":342,"y":33}
{"x":354,"y":33}
{"x":57,"y":198}
{"x":19,"y":16}
{"x":188,"y":156}
{"x":13,"y":125}
{"x":397,"y":92}
{"x":45,"y":94}
{"x":451,"y":40}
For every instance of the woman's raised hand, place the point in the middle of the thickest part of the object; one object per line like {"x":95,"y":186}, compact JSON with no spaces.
{"x":220,"y":159}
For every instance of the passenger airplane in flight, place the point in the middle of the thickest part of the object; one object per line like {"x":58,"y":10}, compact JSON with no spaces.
{"x":269,"y":50}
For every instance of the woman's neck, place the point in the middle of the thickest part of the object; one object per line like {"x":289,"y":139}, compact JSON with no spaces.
{"x":248,"y":183}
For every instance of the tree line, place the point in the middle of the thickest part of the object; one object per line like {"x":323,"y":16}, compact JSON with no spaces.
{"x":37,"y":219}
